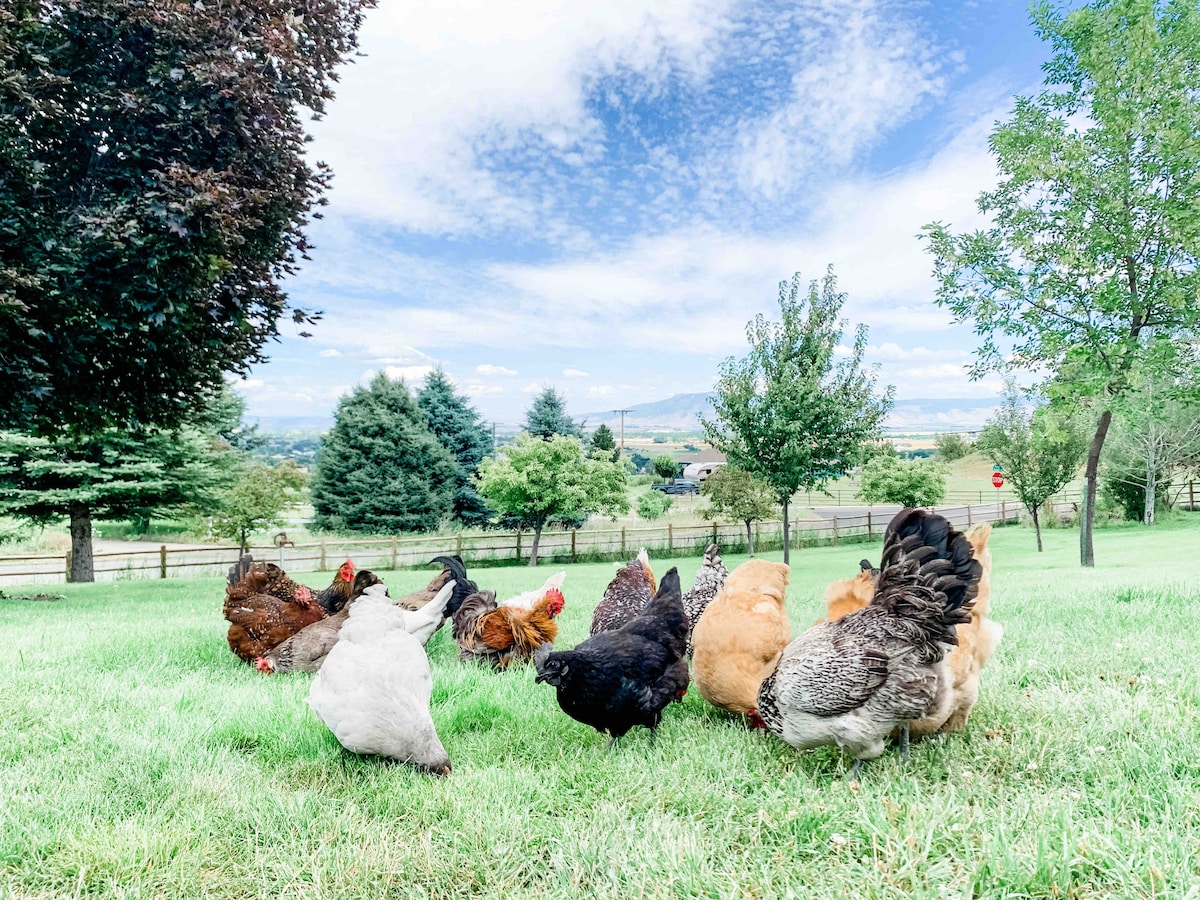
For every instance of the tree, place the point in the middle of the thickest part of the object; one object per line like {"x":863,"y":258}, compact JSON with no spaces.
{"x":456,"y":425}
{"x":787,"y":412}
{"x":110,"y":474}
{"x":380,"y":468}
{"x":257,"y":499}
{"x":604,"y":442}
{"x":909,"y":482}
{"x":548,"y":416}
{"x":537,"y":479}
{"x":951,"y":446}
{"x":154,"y":196}
{"x":665,"y":467}
{"x":653,"y":504}
{"x":1157,"y":431}
{"x":740,"y":495}
{"x":1040,"y":450}
{"x":1090,"y":264}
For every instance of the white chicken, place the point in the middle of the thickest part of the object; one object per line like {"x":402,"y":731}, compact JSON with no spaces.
{"x":529,"y":598}
{"x":373,"y":690}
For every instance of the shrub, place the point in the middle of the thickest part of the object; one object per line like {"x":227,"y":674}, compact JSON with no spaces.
{"x":653,"y":505}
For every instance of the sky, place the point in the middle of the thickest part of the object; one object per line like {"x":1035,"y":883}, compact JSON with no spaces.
{"x":598,"y":197}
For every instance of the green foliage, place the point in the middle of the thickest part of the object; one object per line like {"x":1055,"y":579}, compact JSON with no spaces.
{"x":1039,"y":450}
{"x":952,"y":446}
{"x":154,"y":195}
{"x":736,"y":494}
{"x":664,"y":466}
{"x":548,"y":416}
{"x":1090,"y":267}
{"x":787,"y":412}
{"x":603,"y":439}
{"x":539,"y":479}
{"x":919,"y":482}
{"x":641,"y":462}
{"x":456,"y":425}
{"x":653,"y":505}
{"x":381,"y":469}
{"x":257,"y":499}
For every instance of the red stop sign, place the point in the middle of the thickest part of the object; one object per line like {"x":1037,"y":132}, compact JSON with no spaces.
{"x":997,"y":480}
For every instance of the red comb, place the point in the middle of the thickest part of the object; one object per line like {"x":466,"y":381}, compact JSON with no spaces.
{"x":555,"y":601}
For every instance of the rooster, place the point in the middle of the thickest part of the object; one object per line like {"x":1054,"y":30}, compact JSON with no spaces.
{"x":501,"y":633}
{"x":851,"y":682}
{"x":452,"y":569}
{"x":626,"y":595}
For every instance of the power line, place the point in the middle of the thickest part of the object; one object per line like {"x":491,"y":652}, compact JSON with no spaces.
{"x":622,"y":412}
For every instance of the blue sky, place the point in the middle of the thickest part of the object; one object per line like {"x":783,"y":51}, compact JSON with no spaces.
{"x":600,"y":196}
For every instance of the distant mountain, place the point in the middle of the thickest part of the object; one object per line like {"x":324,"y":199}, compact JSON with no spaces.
{"x":682,"y":413}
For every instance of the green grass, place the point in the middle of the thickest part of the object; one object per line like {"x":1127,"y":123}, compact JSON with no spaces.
{"x":139,"y":758}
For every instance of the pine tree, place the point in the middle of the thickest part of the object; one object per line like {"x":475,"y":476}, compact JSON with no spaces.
{"x":456,"y":425}
{"x":548,"y":416}
{"x":380,"y":468}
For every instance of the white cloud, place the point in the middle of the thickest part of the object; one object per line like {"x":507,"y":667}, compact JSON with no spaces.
{"x":477,"y":389}
{"x":531,"y":388}
{"x":330,"y":352}
{"x":410,"y":374}
{"x":489,"y":369}
{"x":601,"y":390}
{"x":575,"y":373}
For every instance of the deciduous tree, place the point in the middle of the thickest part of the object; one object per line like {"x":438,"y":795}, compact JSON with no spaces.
{"x":1092,"y":257}
{"x":257,"y":499}
{"x":538,"y":479}
{"x":909,"y":482}
{"x":740,"y":495}
{"x":790,"y":413}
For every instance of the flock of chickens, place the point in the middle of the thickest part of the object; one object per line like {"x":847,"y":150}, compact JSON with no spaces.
{"x":898,"y":653}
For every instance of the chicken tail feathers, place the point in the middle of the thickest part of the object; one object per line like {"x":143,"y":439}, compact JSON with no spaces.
{"x":464,"y":587}
{"x":929,"y":576}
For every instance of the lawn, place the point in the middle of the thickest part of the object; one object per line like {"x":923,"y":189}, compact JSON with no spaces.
{"x":139,"y":758}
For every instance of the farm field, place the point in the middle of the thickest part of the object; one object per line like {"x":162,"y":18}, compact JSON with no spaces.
{"x":140,"y":758}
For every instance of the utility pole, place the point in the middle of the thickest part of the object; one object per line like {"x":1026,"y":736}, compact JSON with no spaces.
{"x":622,"y":412}
{"x":493,"y":437}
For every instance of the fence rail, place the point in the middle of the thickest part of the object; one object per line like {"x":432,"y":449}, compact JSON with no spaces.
{"x":865,"y":524}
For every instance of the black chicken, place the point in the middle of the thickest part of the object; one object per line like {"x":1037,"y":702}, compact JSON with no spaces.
{"x":618,"y":679}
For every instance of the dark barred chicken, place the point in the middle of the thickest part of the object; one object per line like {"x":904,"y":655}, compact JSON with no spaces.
{"x":851,"y":682}
{"x":626,"y":595}
{"x":709,"y":580}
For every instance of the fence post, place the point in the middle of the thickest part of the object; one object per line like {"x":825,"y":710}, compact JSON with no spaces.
{"x":1191,"y":495}
{"x":574,"y":531}
{"x":670,"y":537}
{"x":869,"y":525}
{"x":1003,"y":511}
{"x":395,"y":553}
{"x":622,"y":541}
{"x":458,"y":545}
{"x":968,"y":515}
{"x":835,"y":529}
{"x":518,"y":546}
{"x":321,"y":567}
{"x":67,"y":566}
{"x":162,"y":561}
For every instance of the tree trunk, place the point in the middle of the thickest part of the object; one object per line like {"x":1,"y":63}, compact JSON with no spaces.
{"x":1037,"y":525}
{"x":1087,"y":555}
{"x":749,"y":538}
{"x":787,"y":534}
{"x":1151,"y":488}
{"x":537,"y":538}
{"x":82,"y":567}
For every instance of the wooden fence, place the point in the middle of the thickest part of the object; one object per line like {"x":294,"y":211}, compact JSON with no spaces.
{"x":498,"y":548}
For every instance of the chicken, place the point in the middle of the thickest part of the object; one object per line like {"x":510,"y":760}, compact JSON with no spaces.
{"x":851,"y":682}
{"x":977,"y":639}
{"x":618,"y":679}
{"x":306,"y":650}
{"x":844,"y":597}
{"x":452,"y":568}
{"x":259,"y":621}
{"x":740,"y":635}
{"x":373,"y":690}
{"x":501,"y":633}
{"x":626,"y":595}
{"x":268,"y":578}
{"x":708,"y":581}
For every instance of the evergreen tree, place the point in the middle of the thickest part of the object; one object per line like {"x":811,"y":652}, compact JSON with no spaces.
{"x":605,"y":443}
{"x":110,"y":474}
{"x":548,"y":416}
{"x":456,"y":425}
{"x":380,"y":468}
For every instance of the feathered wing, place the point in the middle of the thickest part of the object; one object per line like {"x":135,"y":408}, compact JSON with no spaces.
{"x":826,"y":672}
{"x":709,"y":580}
{"x":529,"y":598}
{"x":624,"y":597}
{"x":428,"y":619}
